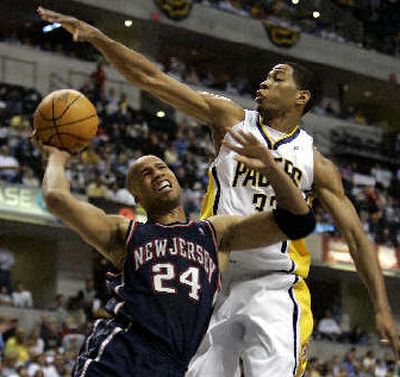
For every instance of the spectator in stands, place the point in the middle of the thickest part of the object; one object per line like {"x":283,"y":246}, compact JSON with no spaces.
{"x":328,"y":327}
{"x":7,"y":261}
{"x":50,"y":333}
{"x":17,"y":345}
{"x":358,"y":336}
{"x":9,"y":368}
{"x":120,"y":195}
{"x":76,"y":309}
{"x":5,"y":297}
{"x":351,"y":363}
{"x":9,"y":165}
{"x":98,"y":78}
{"x":381,"y":369}
{"x":28,"y":178}
{"x":89,"y":294}
{"x":368,"y":362}
{"x":73,"y":341}
{"x":60,"y":309}
{"x":22,"y":298}
{"x":35,"y":343}
{"x":96,"y":189}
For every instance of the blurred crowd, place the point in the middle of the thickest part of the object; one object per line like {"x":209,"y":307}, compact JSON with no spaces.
{"x":372,"y":25}
{"x":50,"y":347}
{"x":375,"y":191}
{"x":124,"y":135}
{"x":369,"y":24}
{"x":353,"y":365}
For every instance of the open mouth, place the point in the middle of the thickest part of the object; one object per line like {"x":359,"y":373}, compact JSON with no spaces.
{"x":164,"y":186}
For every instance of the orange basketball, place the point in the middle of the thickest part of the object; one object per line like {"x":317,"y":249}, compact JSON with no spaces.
{"x":65,"y":119}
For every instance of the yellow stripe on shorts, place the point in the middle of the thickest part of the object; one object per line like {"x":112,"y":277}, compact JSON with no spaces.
{"x":305,"y":323}
{"x":300,"y":255}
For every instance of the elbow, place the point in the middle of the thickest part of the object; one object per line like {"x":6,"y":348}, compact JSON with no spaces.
{"x":53,"y":200}
{"x":295,"y":226}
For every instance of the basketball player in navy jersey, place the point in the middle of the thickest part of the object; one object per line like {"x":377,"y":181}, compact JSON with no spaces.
{"x":277,"y":346}
{"x":170,"y":267}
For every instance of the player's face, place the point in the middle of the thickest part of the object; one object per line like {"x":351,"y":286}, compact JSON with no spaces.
{"x":278,"y":92}
{"x":155,"y":186}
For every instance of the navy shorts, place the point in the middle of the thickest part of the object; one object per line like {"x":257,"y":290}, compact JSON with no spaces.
{"x":113,"y":350}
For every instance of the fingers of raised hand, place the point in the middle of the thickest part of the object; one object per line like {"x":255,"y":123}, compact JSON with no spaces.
{"x":389,"y":335}
{"x":248,"y":137}
{"x":237,"y":137}
{"x":233,"y":147}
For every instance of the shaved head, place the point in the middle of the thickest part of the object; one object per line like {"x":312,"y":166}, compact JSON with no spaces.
{"x":154,"y":186}
{"x":134,"y":170}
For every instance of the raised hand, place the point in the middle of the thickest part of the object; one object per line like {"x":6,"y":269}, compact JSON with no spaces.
{"x":252,"y":153}
{"x":81,"y":31}
{"x":387,"y":331}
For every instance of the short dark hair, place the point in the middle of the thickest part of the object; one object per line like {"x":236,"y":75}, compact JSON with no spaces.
{"x":306,"y":79}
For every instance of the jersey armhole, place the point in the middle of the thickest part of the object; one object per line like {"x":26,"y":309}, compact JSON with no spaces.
{"x":131,"y":229}
{"x":213,"y":234}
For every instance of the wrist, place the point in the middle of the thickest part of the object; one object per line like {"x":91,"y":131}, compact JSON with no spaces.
{"x":58,"y":158}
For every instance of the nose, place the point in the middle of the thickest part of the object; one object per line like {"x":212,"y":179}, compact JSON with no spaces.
{"x":158,"y":174}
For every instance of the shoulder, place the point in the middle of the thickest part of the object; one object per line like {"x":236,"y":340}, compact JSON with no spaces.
{"x":306,"y":136}
{"x":223,"y":109}
{"x":122,"y":226}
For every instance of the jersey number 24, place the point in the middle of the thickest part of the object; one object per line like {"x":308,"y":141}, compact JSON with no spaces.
{"x":165,"y":272}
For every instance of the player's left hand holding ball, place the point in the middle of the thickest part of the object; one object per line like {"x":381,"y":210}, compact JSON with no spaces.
{"x":252,"y":153}
{"x":48,"y":150}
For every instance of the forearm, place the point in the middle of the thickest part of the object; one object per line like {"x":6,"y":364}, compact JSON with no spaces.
{"x":54,"y":179}
{"x":367,"y":265}
{"x":288,"y":196}
{"x":133,"y":66}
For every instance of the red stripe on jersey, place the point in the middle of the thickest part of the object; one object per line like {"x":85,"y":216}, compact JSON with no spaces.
{"x":214,"y":235}
{"x":133,"y":228}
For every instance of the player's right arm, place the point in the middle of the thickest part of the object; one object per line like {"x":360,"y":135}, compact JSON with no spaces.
{"x":216,"y":111}
{"x":292,"y":219}
{"x":105,"y":233}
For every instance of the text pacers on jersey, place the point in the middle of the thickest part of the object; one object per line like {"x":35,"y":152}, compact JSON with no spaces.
{"x":176,"y":246}
{"x":245,"y":176}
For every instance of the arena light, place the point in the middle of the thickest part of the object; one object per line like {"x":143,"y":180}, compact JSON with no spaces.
{"x":316,"y":14}
{"x":48,"y":28}
{"x":160,"y":114}
{"x":295,"y":2}
{"x":128,"y":23}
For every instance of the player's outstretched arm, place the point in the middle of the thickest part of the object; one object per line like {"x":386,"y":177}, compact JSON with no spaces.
{"x":292,"y":219}
{"x":105,"y":233}
{"x":330,"y":191}
{"x":138,"y":70}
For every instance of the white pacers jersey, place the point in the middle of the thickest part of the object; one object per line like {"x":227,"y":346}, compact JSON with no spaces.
{"x":234,"y":189}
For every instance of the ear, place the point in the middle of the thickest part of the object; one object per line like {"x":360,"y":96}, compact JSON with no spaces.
{"x":137,"y":198}
{"x":303,"y":96}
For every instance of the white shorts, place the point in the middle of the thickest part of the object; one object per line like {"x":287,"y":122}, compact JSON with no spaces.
{"x":265,"y":321}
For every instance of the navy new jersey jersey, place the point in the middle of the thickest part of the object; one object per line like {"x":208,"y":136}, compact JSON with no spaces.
{"x":166,"y":292}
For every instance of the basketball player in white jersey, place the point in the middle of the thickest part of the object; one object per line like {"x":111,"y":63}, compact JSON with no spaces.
{"x":263,"y":315}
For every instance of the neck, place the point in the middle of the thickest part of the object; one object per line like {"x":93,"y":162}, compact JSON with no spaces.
{"x":284,"y":122}
{"x":176,"y":214}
